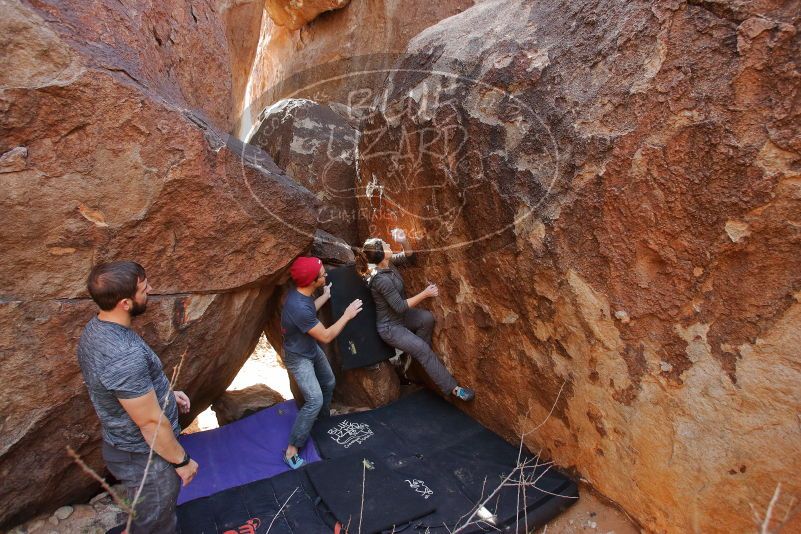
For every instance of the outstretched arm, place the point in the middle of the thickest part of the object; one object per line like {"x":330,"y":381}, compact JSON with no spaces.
{"x":327,"y":335}
{"x":393,"y":297}
{"x":430,"y":291}
{"x":402,"y":258}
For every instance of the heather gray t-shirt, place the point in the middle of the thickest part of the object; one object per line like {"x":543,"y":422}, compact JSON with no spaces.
{"x":118,"y":364}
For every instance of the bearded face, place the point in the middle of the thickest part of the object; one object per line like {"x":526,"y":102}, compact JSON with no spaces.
{"x":138,"y":308}
{"x":139,"y":302}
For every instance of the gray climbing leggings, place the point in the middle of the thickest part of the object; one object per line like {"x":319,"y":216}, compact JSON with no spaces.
{"x":414,"y":338}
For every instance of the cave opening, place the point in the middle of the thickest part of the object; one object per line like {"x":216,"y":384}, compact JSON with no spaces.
{"x":262,"y":368}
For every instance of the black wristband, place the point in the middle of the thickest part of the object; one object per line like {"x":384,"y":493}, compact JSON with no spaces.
{"x":183,"y":463}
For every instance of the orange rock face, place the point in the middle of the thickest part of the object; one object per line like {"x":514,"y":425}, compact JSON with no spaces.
{"x":293,"y":15}
{"x":155,"y":45}
{"x":105,"y":154}
{"x":291,"y":63}
{"x":242,"y":21}
{"x":605,"y":196}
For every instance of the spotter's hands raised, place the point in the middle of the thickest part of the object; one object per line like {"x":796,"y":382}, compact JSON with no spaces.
{"x":353,"y":309}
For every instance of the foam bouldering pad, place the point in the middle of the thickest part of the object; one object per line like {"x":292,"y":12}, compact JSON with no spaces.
{"x":338,"y":436}
{"x":453,"y":461}
{"x":431,"y":466}
{"x":414,"y":423}
{"x":244,"y":451}
{"x":479,"y":466}
{"x":359,"y":343}
{"x":442,"y":492}
{"x":283,"y":504}
{"x":364,"y":495}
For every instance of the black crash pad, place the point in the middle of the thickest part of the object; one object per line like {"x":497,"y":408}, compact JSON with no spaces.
{"x":254,"y":508}
{"x":432,"y":465}
{"x":452,"y":461}
{"x":364,"y":495}
{"x":359,"y":342}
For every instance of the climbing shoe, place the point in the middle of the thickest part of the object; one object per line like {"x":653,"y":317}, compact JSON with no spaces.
{"x":465,"y":394}
{"x":294,"y":462}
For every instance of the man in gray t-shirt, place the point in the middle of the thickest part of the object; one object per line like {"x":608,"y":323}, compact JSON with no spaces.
{"x":118,"y":364}
{"x":133,"y":399}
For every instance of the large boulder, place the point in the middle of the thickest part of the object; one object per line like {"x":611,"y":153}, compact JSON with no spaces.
{"x":106,"y":157}
{"x":182,"y":51}
{"x":369,"y":387}
{"x":317,"y":148}
{"x":331,"y":249}
{"x":340,"y":56}
{"x":234,"y":405}
{"x":606,"y":194}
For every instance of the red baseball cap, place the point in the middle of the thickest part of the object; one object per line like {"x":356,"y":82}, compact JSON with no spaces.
{"x":305,"y":270}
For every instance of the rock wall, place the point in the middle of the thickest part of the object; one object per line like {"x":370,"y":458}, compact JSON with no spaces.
{"x":316,"y":147}
{"x":293,"y":15}
{"x":159,"y":46}
{"x":607,"y":193}
{"x":105,"y":154}
{"x":242,"y":22}
{"x":362,"y":35}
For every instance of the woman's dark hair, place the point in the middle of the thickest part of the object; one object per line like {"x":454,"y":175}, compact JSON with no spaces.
{"x":372,"y":252}
{"x":110,"y":283}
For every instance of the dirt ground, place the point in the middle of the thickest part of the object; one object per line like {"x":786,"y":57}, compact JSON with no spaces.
{"x":590,"y":514}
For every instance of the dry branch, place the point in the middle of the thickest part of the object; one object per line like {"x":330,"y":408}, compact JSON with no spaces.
{"x":91,"y":472}
{"x":521,"y":483}
{"x":176,"y":371}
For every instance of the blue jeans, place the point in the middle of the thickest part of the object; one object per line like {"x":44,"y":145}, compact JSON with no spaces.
{"x":316,"y":381}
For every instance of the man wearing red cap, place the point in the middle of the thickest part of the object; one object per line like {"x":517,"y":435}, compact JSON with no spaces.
{"x":303,"y":357}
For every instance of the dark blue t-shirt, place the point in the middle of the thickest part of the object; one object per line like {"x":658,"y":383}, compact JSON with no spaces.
{"x":297,"y":318}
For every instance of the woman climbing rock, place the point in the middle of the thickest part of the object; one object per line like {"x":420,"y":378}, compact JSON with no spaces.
{"x":400,"y":323}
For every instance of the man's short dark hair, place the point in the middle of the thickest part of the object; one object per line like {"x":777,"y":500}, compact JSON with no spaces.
{"x":110,"y":283}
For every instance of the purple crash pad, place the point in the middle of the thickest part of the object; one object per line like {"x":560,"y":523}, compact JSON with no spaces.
{"x":241,"y":452}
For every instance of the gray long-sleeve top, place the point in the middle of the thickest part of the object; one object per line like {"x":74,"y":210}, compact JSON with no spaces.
{"x":389,"y":293}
